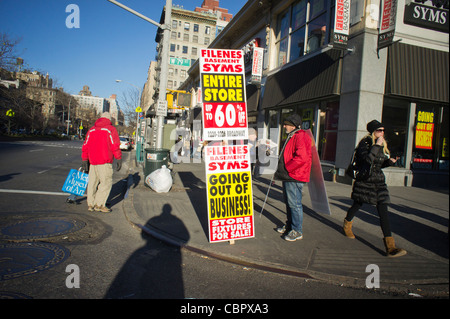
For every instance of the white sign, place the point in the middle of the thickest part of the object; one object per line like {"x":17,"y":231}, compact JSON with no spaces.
{"x":161,"y":108}
{"x":258,"y":55}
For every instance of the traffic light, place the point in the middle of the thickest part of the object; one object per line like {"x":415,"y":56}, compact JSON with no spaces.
{"x":169,"y":98}
{"x":184,"y":99}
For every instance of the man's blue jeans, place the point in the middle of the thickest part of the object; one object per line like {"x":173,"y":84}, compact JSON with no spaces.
{"x":292,"y":192}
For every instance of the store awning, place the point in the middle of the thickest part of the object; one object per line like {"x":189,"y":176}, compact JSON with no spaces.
{"x":417,"y":73}
{"x":314,"y":78}
{"x":253,"y":93}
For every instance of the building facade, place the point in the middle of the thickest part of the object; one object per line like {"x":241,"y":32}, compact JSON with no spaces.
{"x":339,"y":90}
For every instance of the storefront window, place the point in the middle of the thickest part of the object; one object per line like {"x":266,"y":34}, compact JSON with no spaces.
{"x":272,"y":123}
{"x":430,"y":147}
{"x":443,"y":147}
{"x":395,"y":120}
{"x":329,"y":120}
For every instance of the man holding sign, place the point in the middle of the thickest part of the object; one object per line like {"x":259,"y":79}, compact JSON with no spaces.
{"x":294,"y":168}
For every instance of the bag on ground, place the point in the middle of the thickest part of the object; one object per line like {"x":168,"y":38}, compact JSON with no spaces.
{"x":76,"y":182}
{"x":160,"y":180}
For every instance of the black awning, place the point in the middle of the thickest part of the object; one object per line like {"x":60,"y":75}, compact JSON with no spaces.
{"x":314,"y":78}
{"x":418,"y":73}
{"x":253,"y":93}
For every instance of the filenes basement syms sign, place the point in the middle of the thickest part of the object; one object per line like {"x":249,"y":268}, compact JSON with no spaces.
{"x":429,"y":14}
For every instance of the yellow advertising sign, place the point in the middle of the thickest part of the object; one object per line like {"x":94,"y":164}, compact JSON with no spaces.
{"x":229,"y":192}
{"x":424,"y":130}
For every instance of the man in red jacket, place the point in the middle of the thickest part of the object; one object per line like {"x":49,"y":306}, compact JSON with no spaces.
{"x":294,"y":168}
{"x":100,"y":147}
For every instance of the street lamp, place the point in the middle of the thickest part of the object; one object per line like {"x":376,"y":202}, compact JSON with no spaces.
{"x":164,"y":59}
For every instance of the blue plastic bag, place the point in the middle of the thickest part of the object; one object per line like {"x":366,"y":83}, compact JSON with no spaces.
{"x":76,"y":182}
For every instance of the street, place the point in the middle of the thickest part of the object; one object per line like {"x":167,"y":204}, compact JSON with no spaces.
{"x":50,"y":249}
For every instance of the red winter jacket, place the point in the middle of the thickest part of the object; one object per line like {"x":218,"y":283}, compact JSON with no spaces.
{"x":297,"y":158}
{"x":102,"y":143}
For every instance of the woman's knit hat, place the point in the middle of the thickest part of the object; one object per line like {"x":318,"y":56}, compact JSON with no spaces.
{"x":373,"y":125}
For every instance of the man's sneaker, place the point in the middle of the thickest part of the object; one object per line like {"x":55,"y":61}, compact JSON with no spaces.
{"x":281,"y":230}
{"x":293,"y":235}
{"x":91,"y":208}
{"x":102,"y":209}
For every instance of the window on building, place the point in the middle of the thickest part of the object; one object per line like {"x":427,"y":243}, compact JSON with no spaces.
{"x":195,"y":38}
{"x":207,"y":30}
{"x":431,"y":138}
{"x":185,"y":49}
{"x":206,"y":42}
{"x":174,"y":24}
{"x":183,"y":74}
{"x":170,"y":84}
{"x":186,"y":37}
{"x":187,"y":26}
{"x":170,"y":71}
{"x":173,"y":35}
{"x":194,"y":51}
{"x":395,"y":120}
{"x":172,"y":48}
{"x":302,"y":29}
{"x":196,"y":27}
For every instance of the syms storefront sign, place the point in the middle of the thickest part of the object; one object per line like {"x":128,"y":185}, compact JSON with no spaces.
{"x":428,"y":14}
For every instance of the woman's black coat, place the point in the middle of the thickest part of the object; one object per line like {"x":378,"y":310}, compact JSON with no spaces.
{"x":373,"y":190}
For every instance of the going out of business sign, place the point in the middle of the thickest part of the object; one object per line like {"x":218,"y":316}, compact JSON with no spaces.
{"x":229,"y":192}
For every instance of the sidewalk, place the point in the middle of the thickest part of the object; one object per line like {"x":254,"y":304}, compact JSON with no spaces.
{"x":419,"y":221}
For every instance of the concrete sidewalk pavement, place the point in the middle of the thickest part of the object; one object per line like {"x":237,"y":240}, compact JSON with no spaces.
{"x":419,"y":221}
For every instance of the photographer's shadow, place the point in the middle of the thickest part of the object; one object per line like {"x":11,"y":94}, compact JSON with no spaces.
{"x":153,"y":271}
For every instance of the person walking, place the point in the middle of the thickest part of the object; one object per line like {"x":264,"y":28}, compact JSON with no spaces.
{"x":101,"y":146}
{"x":373,"y":152}
{"x":294,"y":168}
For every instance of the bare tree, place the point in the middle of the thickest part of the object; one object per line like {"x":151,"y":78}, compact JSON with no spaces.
{"x":130,"y":101}
{"x":9,"y":56}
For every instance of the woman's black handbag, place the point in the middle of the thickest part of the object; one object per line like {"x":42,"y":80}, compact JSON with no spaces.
{"x":358,"y":171}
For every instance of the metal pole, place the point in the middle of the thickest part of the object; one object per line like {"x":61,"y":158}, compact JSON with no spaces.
{"x":135,"y":12}
{"x":68,"y":117}
{"x":163,"y":74}
{"x":164,"y":59}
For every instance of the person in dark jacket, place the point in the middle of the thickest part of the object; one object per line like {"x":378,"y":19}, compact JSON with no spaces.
{"x":294,"y":168}
{"x":373,"y":154}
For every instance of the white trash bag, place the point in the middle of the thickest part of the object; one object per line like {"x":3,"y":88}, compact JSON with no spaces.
{"x":160,"y":180}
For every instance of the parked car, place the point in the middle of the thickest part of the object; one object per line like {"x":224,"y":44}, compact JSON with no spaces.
{"x":125,"y":143}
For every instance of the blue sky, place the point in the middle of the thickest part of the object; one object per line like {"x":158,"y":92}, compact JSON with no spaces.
{"x":110,"y":43}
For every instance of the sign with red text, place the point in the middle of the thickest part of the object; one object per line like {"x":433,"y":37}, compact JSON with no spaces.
{"x":424,"y":130}
{"x":224,"y":106}
{"x":257,"y":65}
{"x":229,"y":192}
{"x":341,"y":24}
{"x":386,"y":29}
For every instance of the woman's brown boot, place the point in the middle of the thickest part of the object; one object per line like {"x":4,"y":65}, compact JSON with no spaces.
{"x":348,"y":229}
{"x":391,"y":250}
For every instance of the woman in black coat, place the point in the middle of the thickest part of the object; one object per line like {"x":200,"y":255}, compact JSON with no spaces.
{"x":373,"y":154}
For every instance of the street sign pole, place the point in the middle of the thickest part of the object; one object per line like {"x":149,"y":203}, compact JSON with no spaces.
{"x":164,"y":67}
